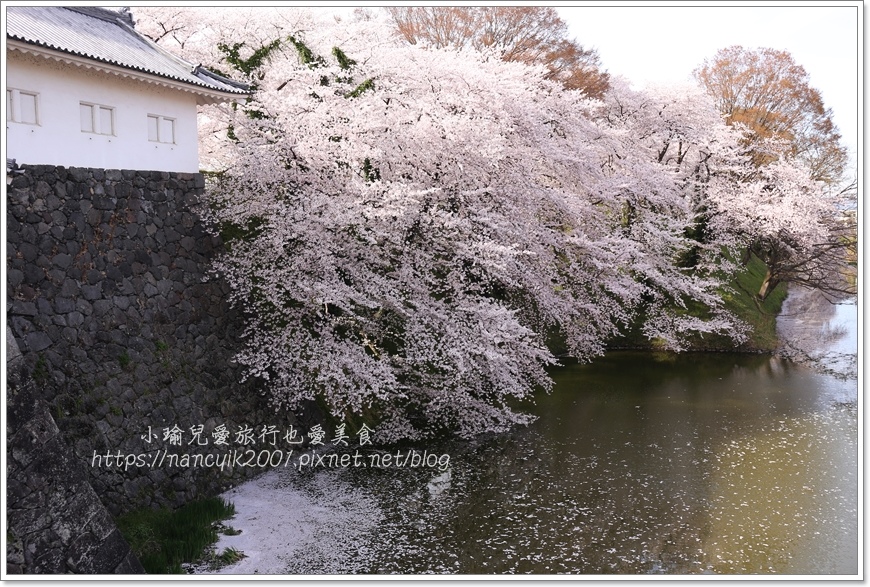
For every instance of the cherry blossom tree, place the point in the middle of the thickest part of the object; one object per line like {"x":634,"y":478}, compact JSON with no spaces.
{"x":408,"y":227}
{"x":674,"y":153}
{"x":781,"y":211}
{"x":794,"y":223}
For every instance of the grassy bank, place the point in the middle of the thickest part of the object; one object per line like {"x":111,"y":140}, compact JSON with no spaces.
{"x":740,"y":299}
{"x":759,"y":315}
{"x":164,"y":539}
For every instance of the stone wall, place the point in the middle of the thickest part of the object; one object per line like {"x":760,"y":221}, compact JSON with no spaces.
{"x":55,"y":522}
{"x":109,"y":299}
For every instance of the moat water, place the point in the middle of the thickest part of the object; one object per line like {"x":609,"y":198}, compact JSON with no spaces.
{"x":637,"y":464}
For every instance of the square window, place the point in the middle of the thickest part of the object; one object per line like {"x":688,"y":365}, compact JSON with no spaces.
{"x":161,"y":129}
{"x":22,"y":106}
{"x":97,"y":119}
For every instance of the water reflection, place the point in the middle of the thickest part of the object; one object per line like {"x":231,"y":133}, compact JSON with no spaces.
{"x":785,"y":500}
{"x":820,"y":333}
{"x":699,"y":463}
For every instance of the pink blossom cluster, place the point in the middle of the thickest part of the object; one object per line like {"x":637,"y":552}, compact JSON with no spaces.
{"x":417,"y":226}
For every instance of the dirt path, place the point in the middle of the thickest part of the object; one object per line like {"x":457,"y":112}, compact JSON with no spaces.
{"x":818,"y":333}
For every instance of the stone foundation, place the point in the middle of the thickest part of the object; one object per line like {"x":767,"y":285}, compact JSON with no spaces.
{"x":123,"y":330}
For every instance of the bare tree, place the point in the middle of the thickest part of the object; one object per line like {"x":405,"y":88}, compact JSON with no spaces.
{"x":769,"y":93}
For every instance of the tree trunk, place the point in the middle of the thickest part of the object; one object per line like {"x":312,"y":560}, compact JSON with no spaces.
{"x":767,"y":286}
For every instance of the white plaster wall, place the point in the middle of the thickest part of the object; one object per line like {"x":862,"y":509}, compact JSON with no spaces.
{"x":58,"y":139}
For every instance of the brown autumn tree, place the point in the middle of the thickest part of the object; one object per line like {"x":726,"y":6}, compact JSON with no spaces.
{"x":528,"y":34}
{"x":765,"y":90}
{"x":768,"y":92}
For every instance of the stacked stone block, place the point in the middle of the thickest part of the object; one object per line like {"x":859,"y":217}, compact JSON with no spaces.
{"x":121,"y":326}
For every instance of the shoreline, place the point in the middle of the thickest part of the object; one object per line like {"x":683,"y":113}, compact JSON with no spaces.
{"x":809,"y":327}
{"x":316,"y":508}
{"x":817,"y":333}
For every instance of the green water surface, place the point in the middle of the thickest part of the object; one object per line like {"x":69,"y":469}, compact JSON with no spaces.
{"x":705,"y":463}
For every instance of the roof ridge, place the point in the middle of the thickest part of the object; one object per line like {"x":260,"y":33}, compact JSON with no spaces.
{"x":199,"y":69}
{"x":194,"y":70}
{"x":105,"y":14}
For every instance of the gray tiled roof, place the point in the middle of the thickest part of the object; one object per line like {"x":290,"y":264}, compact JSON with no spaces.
{"x":107,"y":36}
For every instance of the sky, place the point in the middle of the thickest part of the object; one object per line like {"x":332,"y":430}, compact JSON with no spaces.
{"x":663,"y":44}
